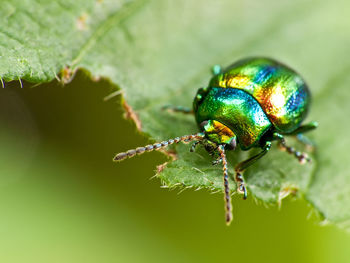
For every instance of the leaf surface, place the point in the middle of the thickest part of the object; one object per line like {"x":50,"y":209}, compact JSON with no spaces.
{"x":161,"y":52}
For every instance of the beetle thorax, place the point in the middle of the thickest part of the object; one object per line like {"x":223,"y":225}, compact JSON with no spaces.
{"x":230,"y":113}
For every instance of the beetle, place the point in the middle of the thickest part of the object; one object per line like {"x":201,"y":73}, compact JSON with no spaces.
{"x":249,"y":104}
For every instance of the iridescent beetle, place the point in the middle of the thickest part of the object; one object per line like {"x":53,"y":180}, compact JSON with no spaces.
{"x":251,"y":103}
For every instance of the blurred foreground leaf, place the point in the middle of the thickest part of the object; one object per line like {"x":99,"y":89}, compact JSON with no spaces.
{"x":160,"y":52}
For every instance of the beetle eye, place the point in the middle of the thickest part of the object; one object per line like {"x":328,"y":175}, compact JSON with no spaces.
{"x":203,"y":123}
{"x":233,"y":143}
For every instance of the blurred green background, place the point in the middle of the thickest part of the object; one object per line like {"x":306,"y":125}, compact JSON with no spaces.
{"x":62,"y":199}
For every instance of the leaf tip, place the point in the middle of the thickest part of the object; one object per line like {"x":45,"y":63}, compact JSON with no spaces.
{"x":131,"y":114}
{"x":66,"y":75}
{"x":161,"y":167}
{"x":286,"y":191}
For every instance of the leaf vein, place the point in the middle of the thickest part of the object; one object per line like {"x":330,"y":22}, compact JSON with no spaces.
{"x":112,"y":20}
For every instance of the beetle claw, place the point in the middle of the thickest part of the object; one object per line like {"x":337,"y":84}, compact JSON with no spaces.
{"x":193,"y":146}
{"x":243,"y":190}
{"x":217,"y":161}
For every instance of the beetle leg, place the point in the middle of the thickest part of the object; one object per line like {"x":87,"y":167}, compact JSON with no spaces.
{"x":228,"y":207}
{"x":306,"y":141}
{"x":302,"y":138}
{"x":302,"y":157}
{"x":174,"y":108}
{"x":244,"y":165}
{"x":241,"y":185}
{"x":305,"y":128}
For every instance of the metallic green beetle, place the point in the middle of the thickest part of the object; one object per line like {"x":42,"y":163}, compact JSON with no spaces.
{"x":251,"y":103}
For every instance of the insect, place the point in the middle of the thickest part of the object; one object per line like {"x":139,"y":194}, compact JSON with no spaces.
{"x":249,"y":104}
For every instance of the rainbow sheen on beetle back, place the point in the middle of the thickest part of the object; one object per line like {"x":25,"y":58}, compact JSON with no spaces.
{"x":281,"y":92}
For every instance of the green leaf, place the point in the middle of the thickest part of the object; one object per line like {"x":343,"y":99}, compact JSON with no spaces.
{"x":160,"y":52}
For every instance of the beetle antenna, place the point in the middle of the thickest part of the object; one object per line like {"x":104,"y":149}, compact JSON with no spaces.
{"x":228,"y":207}
{"x":158,"y":145}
